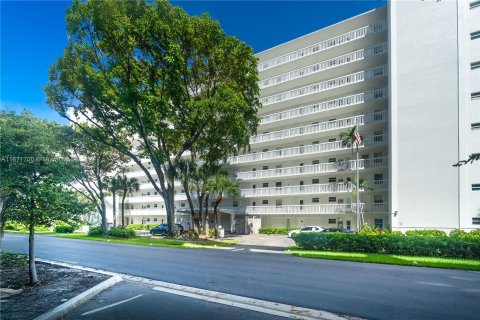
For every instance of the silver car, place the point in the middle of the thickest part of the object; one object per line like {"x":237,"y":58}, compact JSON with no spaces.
{"x":305,"y":229}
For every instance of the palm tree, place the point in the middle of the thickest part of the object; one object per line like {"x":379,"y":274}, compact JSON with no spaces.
{"x":220,"y":185}
{"x":348,"y":140}
{"x":127,"y":186}
{"x":113,"y":184}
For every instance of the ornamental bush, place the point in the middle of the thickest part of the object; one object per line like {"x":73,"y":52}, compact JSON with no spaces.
{"x":426,"y":233}
{"x":64,"y":229}
{"x":268,"y":230}
{"x":141,"y":226}
{"x":119,"y":232}
{"x":95,"y":232}
{"x":434,"y":246}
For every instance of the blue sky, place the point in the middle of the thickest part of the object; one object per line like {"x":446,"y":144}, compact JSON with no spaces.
{"x":33,"y":35}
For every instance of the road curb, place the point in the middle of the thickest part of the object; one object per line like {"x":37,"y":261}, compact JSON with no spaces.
{"x":64,"y":308}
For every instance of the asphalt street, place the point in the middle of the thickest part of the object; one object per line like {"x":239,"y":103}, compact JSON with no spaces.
{"x":370,"y":291}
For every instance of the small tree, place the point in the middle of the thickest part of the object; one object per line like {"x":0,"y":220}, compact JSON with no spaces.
{"x":34,"y":176}
{"x":114,"y":185}
{"x":221,"y":185}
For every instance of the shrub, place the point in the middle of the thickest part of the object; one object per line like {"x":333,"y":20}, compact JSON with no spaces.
{"x":140,"y":226}
{"x":211,"y":232}
{"x":121,"y":233}
{"x":434,"y":246}
{"x":95,"y":231}
{"x":426,"y":233}
{"x":458,"y":233}
{"x":64,"y":229}
{"x":268,"y":230}
{"x":475,"y":233}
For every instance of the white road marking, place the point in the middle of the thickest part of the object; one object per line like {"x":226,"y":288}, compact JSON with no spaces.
{"x":436,"y":284}
{"x":266,"y":251}
{"x":466,"y":279}
{"x":472,"y":290}
{"x":111,"y":305}
{"x":238,"y":249}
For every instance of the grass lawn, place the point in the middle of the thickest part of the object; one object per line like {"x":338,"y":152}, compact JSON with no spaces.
{"x":27,"y":232}
{"x":433,"y":262}
{"x":156,"y":241}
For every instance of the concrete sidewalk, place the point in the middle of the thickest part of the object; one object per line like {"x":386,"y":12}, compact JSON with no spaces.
{"x":262,"y":241}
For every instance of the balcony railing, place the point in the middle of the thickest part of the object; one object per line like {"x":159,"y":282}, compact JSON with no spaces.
{"x":324,"y":45}
{"x":313,"y":169}
{"x":325,"y":65}
{"x":316,"y":209}
{"x":296,"y":190}
{"x":343,"y":102}
{"x":320,"y":127}
{"x":153,"y":198}
{"x":302,"y":150}
{"x":326,"y":85}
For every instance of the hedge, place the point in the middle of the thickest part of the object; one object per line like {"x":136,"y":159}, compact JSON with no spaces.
{"x":426,"y":233}
{"x":121,"y":233}
{"x":268,"y":230}
{"x":456,"y":247}
{"x":64,"y":229}
{"x":95,"y":231}
{"x":140,"y":226}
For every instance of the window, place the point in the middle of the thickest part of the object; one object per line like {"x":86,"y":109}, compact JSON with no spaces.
{"x":316,"y":142}
{"x":378,"y":176}
{"x":378,"y":198}
{"x":475,"y":95}
{"x":315,"y":181}
{"x":475,"y":65}
{"x":315,"y":200}
{"x":474,"y":4}
{"x":278,"y":203}
{"x":235,"y":203}
{"x":264,"y":201}
{"x":182,"y":204}
{"x":378,"y":223}
{"x":333,"y":179}
{"x":332,"y":199}
{"x":278,"y":184}
{"x":155,"y":192}
{"x":265,"y":185}
{"x":154,"y":219}
{"x":475,"y":35}
{"x":332,"y":140}
{"x":155,"y":205}
{"x":265,"y":150}
{"x":332,"y":160}
{"x":148,"y":206}
{"x":475,"y":220}
{"x":476,"y":187}
{"x":349,"y":224}
{"x":148,"y":219}
{"x":476,"y":125}
{"x":265,"y":168}
{"x":316,"y":162}
{"x":254,"y":203}
{"x":332,"y":221}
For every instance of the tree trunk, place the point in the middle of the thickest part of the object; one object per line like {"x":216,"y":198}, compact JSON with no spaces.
{"x":3,"y":219}
{"x":170,"y":207}
{"x":123,"y":208}
{"x":114,"y":209}
{"x":215,"y":217}
{"x":206,"y":225}
{"x":32,"y":270}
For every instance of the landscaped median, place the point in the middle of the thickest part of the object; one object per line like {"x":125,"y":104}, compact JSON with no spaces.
{"x":156,"y":241}
{"x":439,"y":251}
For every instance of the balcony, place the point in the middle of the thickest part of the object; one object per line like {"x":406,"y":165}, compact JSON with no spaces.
{"x":313,"y":169}
{"x":316,"y":209}
{"x":303,"y":150}
{"x":343,"y":102}
{"x":325,"y":65}
{"x":324,"y":45}
{"x":326,"y":85}
{"x":153,"y":198}
{"x":320,"y":127}
{"x":298,"y":190}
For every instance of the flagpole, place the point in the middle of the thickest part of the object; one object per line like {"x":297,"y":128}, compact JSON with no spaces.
{"x":358,"y":193}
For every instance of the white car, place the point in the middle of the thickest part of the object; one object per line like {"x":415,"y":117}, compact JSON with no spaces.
{"x":305,"y":229}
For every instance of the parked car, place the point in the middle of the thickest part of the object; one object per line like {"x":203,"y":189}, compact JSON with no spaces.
{"x":341,"y":230}
{"x":305,"y":229}
{"x":161,"y":229}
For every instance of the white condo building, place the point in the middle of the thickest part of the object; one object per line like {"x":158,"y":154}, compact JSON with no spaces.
{"x":408,"y":74}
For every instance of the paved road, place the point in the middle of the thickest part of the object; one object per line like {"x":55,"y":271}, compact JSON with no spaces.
{"x":366,"y":290}
{"x":147,"y":303}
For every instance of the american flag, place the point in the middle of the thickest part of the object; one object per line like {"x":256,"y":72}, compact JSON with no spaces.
{"x":356,"y":134}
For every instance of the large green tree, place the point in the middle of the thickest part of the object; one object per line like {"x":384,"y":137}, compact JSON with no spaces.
{"x":34,"y":176}
{"x":149,"y":72}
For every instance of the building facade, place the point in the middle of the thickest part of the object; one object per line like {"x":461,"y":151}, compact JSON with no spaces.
{"x":408,"y":76}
